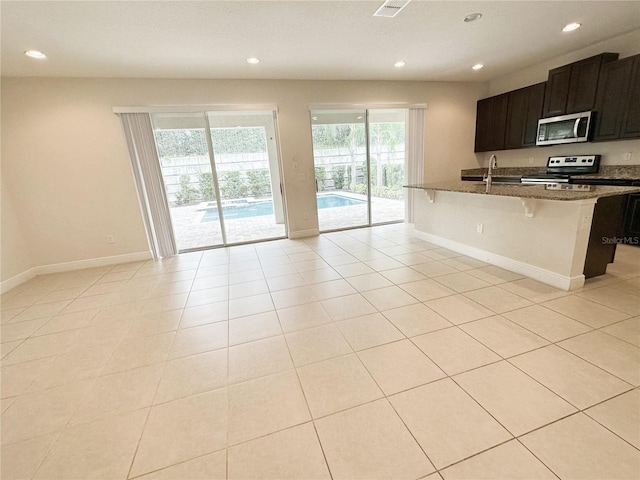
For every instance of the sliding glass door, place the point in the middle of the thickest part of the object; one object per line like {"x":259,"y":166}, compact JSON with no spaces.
{"x":223,"y":188}
{"x":246,"y":158}
{"x":340,"y":161}
{"x":359,"y":159}
{"x":188,"y":179}
{"x":387,"y":164}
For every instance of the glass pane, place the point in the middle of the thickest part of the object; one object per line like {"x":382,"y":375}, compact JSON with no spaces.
{"x":340,"y":159}
{"x":186,"y":170}
{"x":387,"y":152}
{"x":246,"y":160}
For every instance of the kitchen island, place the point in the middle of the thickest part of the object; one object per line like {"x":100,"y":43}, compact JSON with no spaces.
{"x":556,"y":236}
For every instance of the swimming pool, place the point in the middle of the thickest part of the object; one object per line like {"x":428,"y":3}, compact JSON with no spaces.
{"x":257,"y":209}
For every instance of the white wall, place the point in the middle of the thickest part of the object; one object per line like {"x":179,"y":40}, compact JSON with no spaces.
{"x":64,"y":156}
{"x":613,"y":153}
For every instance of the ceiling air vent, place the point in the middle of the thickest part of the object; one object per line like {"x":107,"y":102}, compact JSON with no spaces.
{"x":391,"y":8}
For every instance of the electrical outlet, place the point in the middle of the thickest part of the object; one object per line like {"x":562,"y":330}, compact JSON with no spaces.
{"x":627,"y":156}
{"x":305,"y":215}
{"x":110,"y":239}
{"x":480,"y":228}
{"x":302,"y":176}
{"x":531,"y":160}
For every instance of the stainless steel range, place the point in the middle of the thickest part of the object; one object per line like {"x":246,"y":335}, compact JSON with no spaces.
{"x":560,"y":169}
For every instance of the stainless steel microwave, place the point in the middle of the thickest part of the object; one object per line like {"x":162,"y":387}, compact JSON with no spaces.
{"x":572,"y":128}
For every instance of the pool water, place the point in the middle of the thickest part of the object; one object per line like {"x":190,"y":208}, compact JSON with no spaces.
{"x":332,"y":201}
{"x":257,"y":209}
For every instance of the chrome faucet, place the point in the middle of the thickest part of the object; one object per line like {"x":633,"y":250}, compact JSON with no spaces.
{"x":493,"y":163}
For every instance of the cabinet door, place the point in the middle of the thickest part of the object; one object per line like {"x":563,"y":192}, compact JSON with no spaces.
{"x":632,"y":216}
{"x":524,"y":109}
{"x":516,"y":113}
{"x":555,"y":99}
{"x":613,"y":88}
{"x":583,"y":85}
{"x":572,"y":88}
{"x":631,"y":119}
{"x":534,"y":113}
{"x":499,"y":121}
{"x":483,"y":125}
{"x":491,"y":117}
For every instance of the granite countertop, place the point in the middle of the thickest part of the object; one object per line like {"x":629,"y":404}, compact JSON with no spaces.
{"x":526,"y":191}
{"x":606,"y":171}
{"x":614,"y":171}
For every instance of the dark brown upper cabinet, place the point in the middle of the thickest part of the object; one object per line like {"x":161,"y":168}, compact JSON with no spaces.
{"x":524,"y":108}
{"x":617,"y":103}
{"x":572,"y":88}
{"x":555,"y":100}
{"x":491,"y":117}
{"x":613,"y":89}
{"x":602,"y":83}
{"x":631,"y":119}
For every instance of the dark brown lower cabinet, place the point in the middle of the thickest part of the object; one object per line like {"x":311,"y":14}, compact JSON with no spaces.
{"x":606,"y":230}
{"x":632,"y":220}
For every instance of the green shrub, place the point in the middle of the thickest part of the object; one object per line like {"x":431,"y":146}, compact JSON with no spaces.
{"x":259,"y":182}
{"x":337,"y":174}
{"x":232,"y":185}
{"x":360,"y":188}
{"x":207,"y":192}
{"x":187,"y":195}
{"x":394,"y":193}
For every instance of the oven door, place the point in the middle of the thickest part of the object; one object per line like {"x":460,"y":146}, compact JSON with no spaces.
{"x":564,"y":129}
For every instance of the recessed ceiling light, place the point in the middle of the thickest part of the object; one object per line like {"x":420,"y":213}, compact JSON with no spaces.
{"x":314,"y":118}
{"x":359,"y":117}
{"x":253,"y":60}
{"x":477,"y":66}
{"x":472,"y":17}
{"x":399,"y":64}
{"x":571,"y":27}
{"x":37,"y":54}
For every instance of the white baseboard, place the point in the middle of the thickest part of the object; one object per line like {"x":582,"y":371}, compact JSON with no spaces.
{"x":23,"y":277}
{"x":16,"y":280}
{"x":92,"y":263}
{"x":313,"y":232}
{"x":545,"y":276}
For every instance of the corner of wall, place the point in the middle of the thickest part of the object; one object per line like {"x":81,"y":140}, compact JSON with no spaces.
{"x":16,"y":265}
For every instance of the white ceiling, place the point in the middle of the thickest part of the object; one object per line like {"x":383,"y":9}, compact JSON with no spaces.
{"x":299,"y":39}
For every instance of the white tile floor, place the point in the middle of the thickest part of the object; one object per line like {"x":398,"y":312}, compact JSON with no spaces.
{"x":361,"y":354}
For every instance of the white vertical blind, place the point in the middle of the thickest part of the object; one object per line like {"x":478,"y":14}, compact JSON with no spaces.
{"x":415,"y":156}
{"x":147,"y":174}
